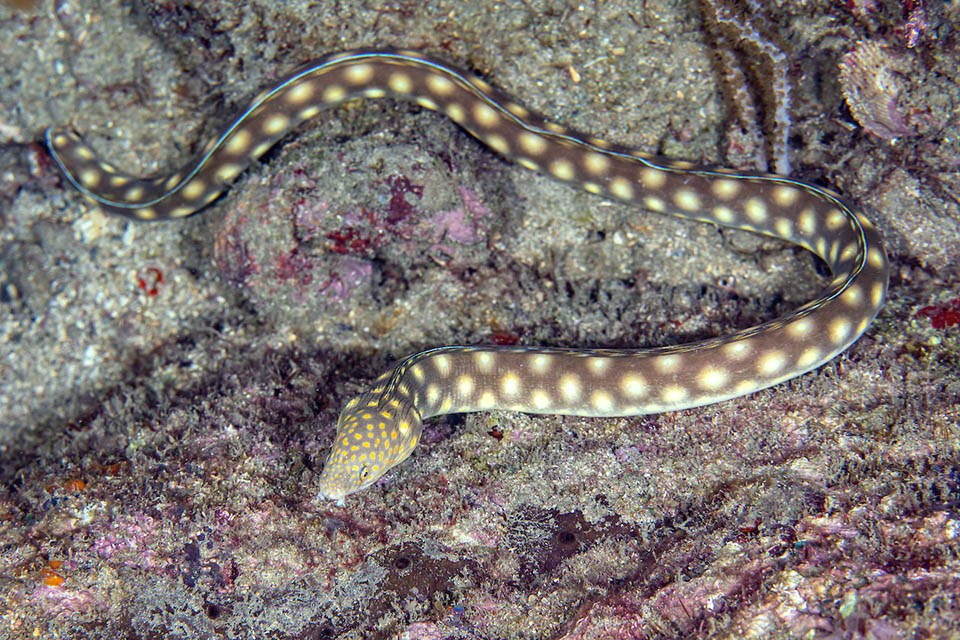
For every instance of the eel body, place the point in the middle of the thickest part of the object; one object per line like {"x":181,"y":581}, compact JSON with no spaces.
{"x":380,"y":428}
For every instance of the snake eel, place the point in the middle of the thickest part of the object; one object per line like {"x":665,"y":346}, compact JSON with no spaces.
{"x":379,"y":428}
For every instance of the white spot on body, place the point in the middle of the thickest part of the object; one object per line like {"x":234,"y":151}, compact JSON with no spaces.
{"x":510,"y":384}
{"x":239,"y":142}
{"x":771,"y":363}
{"x":400,"y":82}
{"x":687,"y":199}
{"x":653,"y":178}
{"x":540,"y":400}
{"x":485,"y":116}
{"x":601,"y":401}
{"x":633,"y":385}
{"x":712,"y":377}
{"x":725,"y":188}
{"x":621,"y":188}
{"x":358,"y":73}
{"x":756,"y":209}
{"x":839,"y":329}
{"x":570,"y":387}
{"x":442,"y":364}
{"x":540,"y":363}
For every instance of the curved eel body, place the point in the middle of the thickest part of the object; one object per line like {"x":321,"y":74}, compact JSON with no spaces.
{"x":380,"y":428}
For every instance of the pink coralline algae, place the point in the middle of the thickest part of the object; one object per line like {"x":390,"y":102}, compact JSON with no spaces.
{"x":869,"y":78}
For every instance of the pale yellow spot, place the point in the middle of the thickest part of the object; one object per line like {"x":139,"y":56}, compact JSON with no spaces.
{"x":440,"y":85}
{"x":853,"y":296}
{"x":835,"y":219}
{"x":808,"y":357}
{"x":133,"y":194}
{"x":562,"y":169}
{"x":725,"y":188}
{"x":465,"y":386}
{"x":510,"y":384}
{"x":172,"y":181}
{"x":653,"y":178}
{"x":737,"y":350}
{"x":783,"y":227}
{"x":875,"y":258}
{"x":621,"y":188}
{"x":456,"y":113}
{"x":442,"y":365}
{"x":239,"y":142}
{"x":84,"y":153}
{"x":807,"y":221}
{"x":800,"y":329}
{"x":146,"y":214}
{"x":673,"y":394}
{"x":540,"y":363}
{"x":481,"y":84}
{"x":839,"y":329}
{"x":712,"y":377}
{"x":303,"y":91}
{"x":681,"y":164}
{"x":724,"y":214}
{"x":358,"y":73}
{"x":633,"y":386}
{"x":275,"y":124}
{"x":598,"y":365}
{"x":309,"y":112}
{"x":570,"y":387}
{"x":487,"y":400}
{"x":785,"y":196}
{"x":119,"y":181}
{"x":181,"y":212}
{"x":484,"y":361}
{"x":687,"y":199}
{"x":433,"y":394}
{"x":591,"y":187}
{"x":60,"y":140}
{"x":601,"y":401}
{"x":194,"y":190}
{"x":498,"y":143}
{"x":553,"y":127}
{"x":90,"y":177}
{"x":427,"y":103}
{"x":771,"y":363}
{"x":485,"y":116}
{"x":821,"y":247}
{"x":400,"y":82}
{"x":417,"y":372}
{"x":654,"y":203}
{"x":518,"y":110}
{"x":228,"y":172}
{"x":876,"y":294}
{"x":528,"y":164}
{"x":107,"y":168}
{"x":445,"y":405}
{"x":374,"y":92}
{"x":849,"y":251}
{"x":596,"y":163}
{"x":746,"y":386}
{"x":667,"y":364}
{"x":532,"y":143}
{"x":540,"y":399}
{"x":756,"y":209}
{"x":332,"y":94}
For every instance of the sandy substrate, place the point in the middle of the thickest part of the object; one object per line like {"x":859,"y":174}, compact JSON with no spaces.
{"x":168,"y":391}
